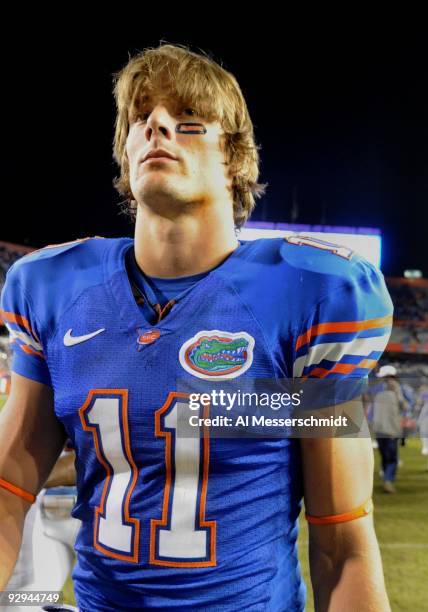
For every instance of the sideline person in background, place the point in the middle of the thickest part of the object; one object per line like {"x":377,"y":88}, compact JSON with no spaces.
{"x":388,"y":407}
{"x":423,"y":420}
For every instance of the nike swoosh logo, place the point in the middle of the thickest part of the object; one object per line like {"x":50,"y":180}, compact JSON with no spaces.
{"x":70,"y":340}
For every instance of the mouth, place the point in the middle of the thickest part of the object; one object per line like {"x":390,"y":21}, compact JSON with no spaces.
{"x":158,"y":159}
{"x":162,"y":155}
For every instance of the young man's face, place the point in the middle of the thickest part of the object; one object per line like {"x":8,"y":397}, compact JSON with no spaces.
{"x":197,"y":175}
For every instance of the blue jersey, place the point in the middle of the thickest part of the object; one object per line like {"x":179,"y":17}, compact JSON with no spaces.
{"x":187,"y":524}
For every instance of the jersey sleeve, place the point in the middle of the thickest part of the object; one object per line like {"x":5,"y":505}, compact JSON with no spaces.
{"x":20,"y":319}
{"x":348,"y":330}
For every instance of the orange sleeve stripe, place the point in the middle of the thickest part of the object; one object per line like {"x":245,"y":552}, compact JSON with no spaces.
{"x":29,"y":497}
{"x":342,"y":327}
{"x":14,"y":318}
{"x":342,"y":368}
{"x":19,"y":320}
{"x":30,"y":351}
{"x":356,"y":513}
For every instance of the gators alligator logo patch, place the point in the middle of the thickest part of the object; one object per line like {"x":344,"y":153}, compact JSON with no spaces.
{"x":217,"y":354}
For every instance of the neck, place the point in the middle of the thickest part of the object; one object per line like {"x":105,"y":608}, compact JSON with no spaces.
{"x":185,"y":245}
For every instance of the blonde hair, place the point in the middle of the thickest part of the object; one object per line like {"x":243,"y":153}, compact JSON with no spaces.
{"x":214,"y":94}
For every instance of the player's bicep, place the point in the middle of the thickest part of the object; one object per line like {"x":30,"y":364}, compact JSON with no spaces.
{"x":338,"y":478}
{"x":31,"y":437}
{"x":337,"y":474}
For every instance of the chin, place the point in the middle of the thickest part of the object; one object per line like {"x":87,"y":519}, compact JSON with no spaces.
{"x":161,"y":195}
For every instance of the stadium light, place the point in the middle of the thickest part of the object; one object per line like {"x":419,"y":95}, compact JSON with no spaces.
{"x":412,"y":274}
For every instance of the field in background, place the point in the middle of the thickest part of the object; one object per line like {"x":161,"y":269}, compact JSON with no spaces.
{"x":402,"y":529}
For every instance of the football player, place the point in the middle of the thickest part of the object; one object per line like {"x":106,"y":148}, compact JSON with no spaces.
{"x":103,"y":329}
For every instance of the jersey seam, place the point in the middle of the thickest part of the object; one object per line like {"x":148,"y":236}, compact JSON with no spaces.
{"x":231,"y":286}
{"x":107,"y":284}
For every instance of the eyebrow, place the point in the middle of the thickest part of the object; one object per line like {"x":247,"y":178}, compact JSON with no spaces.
{"x":143,"y":100}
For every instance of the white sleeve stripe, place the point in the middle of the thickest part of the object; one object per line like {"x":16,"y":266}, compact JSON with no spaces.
{"x":25,"y":338}
{"x":299,"y":366}
{"x":335,"y":351}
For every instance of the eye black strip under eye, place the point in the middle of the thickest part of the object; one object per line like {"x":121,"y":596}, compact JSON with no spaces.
{"x":190,"y":128}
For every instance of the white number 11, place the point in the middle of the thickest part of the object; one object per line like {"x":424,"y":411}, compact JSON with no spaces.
{"x":181,"y":537}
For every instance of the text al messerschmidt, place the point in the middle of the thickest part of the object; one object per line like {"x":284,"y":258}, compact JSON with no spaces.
{"x":262,"y":421}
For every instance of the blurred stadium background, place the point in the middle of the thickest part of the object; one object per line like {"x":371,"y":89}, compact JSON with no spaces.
{"x":401,"y":520}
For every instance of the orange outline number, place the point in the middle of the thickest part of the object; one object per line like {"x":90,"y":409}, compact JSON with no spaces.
{"x":125,"y":536}
{"x":202,"y":530}
{"x":182,"y":537}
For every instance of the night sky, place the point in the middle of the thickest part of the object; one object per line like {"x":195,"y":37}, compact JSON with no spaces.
{"x":342,"y":122}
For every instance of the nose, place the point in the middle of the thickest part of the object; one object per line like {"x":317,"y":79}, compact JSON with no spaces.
{"x":159,"y":122}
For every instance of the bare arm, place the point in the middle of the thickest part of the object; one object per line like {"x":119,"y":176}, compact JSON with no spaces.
{"x":31,"y":439}
{"x":345,"y":562}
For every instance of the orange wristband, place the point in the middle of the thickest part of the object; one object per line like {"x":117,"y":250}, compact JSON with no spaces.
{"x":356,"y":513}
{"x":29,"y":497}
